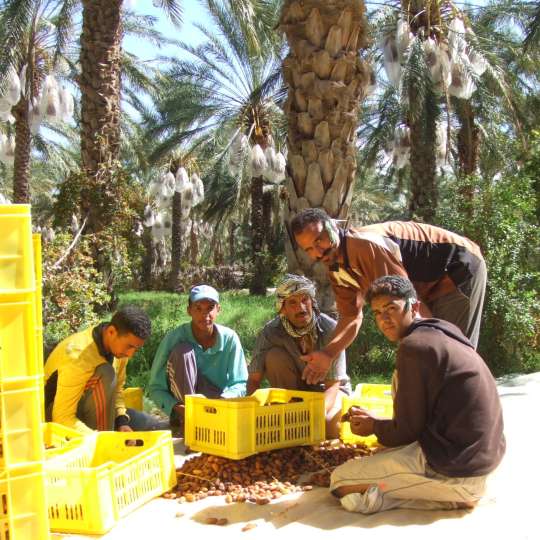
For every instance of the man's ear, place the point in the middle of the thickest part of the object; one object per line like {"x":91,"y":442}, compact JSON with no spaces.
{"x":111,"y":330}
{"x":414,"y":306}
{"x":218,"y":308}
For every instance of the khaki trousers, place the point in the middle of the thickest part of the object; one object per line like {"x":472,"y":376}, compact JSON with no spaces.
{"x":401,"y":478}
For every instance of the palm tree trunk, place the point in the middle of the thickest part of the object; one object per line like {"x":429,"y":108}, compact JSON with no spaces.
{"x":176,"y":240}
{"x":148,"y":259}
{"x":267,"y":217}
{"x":258,"y":281}
{"x":194,"y":243}
{"x":232,"y":242}
{"x":21,"y":165}
{"x":326,"y":80}
{"x":468,"y":138}
{"x":100,"y":102}
{"x":423,"y":201}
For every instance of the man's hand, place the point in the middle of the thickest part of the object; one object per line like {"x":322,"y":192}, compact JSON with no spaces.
{"x":127,"y":429}
{"x":317,"y":365}
{"x":362,"y":422}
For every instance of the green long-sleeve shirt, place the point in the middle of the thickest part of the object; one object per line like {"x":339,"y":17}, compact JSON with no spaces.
{"x":224,"y":364}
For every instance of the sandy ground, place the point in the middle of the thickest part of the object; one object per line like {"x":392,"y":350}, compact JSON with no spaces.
{"x":510,"y":510}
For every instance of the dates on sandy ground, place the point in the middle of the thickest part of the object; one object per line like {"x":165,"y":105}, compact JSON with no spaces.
{"x":263,"y":477}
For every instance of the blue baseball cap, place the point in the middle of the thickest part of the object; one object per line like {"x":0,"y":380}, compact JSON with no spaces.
{"x":203,"y":292}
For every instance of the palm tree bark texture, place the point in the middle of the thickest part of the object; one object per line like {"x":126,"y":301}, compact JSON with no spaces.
{"x":176,"y":241}
{"x":258,"y":281}
{"x":100,"y":97}
{"x":468,"y":138}
{"x":21,"y":164}
{"x":326,"y":81}
{"x":33,"y":55}
{"x":422,"y":121}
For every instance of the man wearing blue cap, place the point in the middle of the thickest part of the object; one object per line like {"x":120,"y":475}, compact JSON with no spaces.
{"x":199,"y":357}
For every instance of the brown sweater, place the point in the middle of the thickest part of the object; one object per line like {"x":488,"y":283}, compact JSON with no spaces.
{"x":446,"y":399}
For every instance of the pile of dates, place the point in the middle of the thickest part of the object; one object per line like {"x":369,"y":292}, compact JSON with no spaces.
{"x":264,"y":476}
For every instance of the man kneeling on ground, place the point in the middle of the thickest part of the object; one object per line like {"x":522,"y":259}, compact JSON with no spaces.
{"x":298,"y":329}
{"x":446,"y":435}
{"x":198,"y":357}
{"x":86,"y":372}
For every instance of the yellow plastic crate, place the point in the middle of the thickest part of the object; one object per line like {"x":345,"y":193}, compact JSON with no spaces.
{"x":268,"y":419}
{"x":36,"y":244}
{"x":18,"y":355}
{"x":133,"y":398}
{"x":16,"y":258}
{"x":102,"y":479}
{"x":376,"y":398}
{"x":23,"y":511}
{"x":20,"y":421}
{"x":58,"y":438}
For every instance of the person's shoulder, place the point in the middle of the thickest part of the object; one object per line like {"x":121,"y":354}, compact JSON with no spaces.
{"x":271,"y":326}
{"x":178,"y":330}
{"x":226,"y":332}
{"x":422,"y":341}
{"x":78,"y":342}
{"x":78,"y":349}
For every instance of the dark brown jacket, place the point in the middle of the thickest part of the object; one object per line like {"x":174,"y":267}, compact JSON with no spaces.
{"x":446,"y":399}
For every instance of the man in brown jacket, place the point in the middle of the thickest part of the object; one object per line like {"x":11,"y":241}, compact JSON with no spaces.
{"x":446,"y":435}
{"x":447,"y":270}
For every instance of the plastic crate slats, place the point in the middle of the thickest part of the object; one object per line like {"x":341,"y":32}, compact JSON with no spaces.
{"x":267,"y":420}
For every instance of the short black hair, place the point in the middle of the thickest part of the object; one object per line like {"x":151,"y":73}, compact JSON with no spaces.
{"x":396,"y":286}
{"x":306,"y":217}
{"x":132,"y":320}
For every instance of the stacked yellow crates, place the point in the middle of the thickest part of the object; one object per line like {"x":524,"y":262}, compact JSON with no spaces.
{"x":23,"y":510}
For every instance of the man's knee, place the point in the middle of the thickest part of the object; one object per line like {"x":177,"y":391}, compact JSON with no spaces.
{"x":182,"y":353}
{"x":182,"y":357}
{"x":277,"y":359}
{"x":107,"y":375}
{"x":281,"y":370}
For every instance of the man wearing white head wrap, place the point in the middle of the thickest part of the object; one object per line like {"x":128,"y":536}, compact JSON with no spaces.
{"x":298,"y":329}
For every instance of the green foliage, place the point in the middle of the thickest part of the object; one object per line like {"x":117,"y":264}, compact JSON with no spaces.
{"x":116,"y":250}
{"x":73,"y":291}
{"x":500,"y":217}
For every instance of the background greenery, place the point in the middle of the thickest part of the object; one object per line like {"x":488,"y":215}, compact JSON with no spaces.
{"x":186,"y":109}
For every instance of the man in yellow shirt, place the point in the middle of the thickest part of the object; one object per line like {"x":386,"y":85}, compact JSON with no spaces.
{"x":86,"y":372}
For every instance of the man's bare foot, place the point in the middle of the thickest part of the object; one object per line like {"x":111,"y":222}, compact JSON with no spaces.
{"x":466,"y":505}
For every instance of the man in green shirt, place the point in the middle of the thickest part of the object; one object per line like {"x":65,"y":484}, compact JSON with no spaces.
{"x":198,"y":357}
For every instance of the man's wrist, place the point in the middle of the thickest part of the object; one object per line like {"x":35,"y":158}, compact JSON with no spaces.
{"x":122,"y":420}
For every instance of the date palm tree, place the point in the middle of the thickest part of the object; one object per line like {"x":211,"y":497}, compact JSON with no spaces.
{"x":35,"y":37}
{"x":443,"y":95}
{"x":100,"y":84}
{"x":226,"y":97}
{"x":327,"y":80}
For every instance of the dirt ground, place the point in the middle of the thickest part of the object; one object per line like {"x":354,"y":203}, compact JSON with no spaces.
{"x":508,"y":512}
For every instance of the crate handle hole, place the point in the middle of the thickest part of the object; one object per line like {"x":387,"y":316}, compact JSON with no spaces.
{"x":134,"y":442}
{"x":210,"y":410}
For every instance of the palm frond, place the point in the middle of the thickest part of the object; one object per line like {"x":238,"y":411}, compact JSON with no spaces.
{"x":64,"y":23}
{"x":172,"y":9}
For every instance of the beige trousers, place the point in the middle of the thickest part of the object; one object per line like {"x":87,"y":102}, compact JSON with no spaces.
{"x":401,"y":478}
